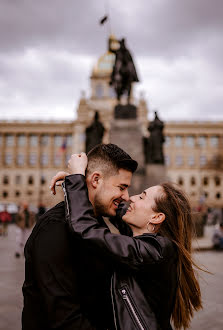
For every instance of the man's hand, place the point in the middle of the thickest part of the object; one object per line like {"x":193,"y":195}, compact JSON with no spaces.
{"x":78,"y":163}
{"x":57,"y":181}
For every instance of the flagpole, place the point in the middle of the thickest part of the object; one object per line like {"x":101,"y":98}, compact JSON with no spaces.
{"x":107,"y":10}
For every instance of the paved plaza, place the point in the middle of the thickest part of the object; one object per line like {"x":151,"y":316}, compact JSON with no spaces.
{"x":12,"y":275}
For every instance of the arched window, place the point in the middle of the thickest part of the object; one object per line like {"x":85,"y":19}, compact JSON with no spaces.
{"x":205,"y":181}
{"x":99,"y":91}
{"x":30,"y":180}
{"x":42,"y":180}
{"x":17,"y":193}
{"x":5,"y":194}
{"x":192,"y":181}
{"x":6,"y":179}
{"x":180,"y":181}
{"x":218,"y":195}
{"x":217,"y":181}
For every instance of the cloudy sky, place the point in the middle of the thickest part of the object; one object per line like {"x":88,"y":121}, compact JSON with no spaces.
{"x":48,"y":49}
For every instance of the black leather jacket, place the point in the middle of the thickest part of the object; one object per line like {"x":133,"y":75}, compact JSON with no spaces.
{"x":144,"y":282}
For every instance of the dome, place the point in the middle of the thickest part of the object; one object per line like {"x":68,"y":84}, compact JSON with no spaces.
{"x":104,"y":65}
{"x":106,"y":62}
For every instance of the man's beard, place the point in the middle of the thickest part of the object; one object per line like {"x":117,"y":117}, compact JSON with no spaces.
{"x":99,"y":208}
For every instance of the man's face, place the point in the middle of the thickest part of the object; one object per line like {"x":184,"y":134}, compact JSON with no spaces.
{"x":111,"y":192}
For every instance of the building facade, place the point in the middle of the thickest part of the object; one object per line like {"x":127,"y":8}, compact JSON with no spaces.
{"x":32,"y":152}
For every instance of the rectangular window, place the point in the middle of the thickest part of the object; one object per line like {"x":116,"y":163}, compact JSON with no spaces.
{"x":20,"y":160}
{"x":202,"y":141}
{"x":178,"y":141}
{"x":33,"y":140}
{"x":0,"y":140}
{"x":67,"y":158}
{"x":32,"y":159}
{"x":69,"y":140}
{"x":191,"y":160}
{"x":21,"y":140}
{"x":167,"y":160}
{"x":9,"y":140}
{"x":57,"y":160}
{"x":167,"y":141}
{"x":216,"y":161}
{"x":58,"y":140}
{"x":179,"y":160}
{"x":82,"y":137}
{"x":44,"y":159}
{"x":214,"y":141}
{"x":8,"y":159}
{"x":190,"y":141}
{"x":203,"y":160}
{"x":44,"y":140}
{"x":18,"y":179}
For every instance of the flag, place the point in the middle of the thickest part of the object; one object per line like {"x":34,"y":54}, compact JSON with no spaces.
{"x":103,"y":20}
{"x":63,"y":146}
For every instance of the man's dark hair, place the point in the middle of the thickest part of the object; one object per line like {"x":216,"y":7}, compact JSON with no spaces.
{"x":109,"y":158}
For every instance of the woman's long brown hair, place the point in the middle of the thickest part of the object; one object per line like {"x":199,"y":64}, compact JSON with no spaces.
{"x":178,"y":227}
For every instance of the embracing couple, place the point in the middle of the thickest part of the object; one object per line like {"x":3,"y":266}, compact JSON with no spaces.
{"x":80,"y":275}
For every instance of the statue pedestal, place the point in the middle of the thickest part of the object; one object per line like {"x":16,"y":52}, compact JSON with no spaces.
{"x":127,"y":111}
{"x":126,"y":133}
{"x":155,"y":174}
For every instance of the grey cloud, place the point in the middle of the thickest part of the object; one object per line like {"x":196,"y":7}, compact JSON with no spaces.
{"x":48,"y":24}
{"x":152,"y":27}
{"x":167,"y":30}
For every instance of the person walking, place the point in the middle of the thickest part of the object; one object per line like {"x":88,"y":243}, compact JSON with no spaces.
{"x":217,"y":237}
{"x":5,"y":219}
{"x":25,"y":220}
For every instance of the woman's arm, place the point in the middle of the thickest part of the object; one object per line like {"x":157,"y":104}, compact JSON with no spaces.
{"x":134,"y":252}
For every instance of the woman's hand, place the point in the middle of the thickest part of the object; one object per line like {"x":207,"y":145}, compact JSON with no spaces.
{"x":78,"y":163}
{"x":57,"y":181}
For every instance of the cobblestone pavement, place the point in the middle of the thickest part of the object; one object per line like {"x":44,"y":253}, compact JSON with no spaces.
{"x":12,"y":276}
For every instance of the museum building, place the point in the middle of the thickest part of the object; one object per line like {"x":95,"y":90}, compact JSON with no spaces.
{"x":31,"y":152}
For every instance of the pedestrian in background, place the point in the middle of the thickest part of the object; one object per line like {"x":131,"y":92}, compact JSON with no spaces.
{"x":5,"y":218}
{"x":217,"y":238}
{"x":25,"y":220}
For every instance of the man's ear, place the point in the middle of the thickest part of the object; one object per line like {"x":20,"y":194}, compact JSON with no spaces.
{"x":158,"y":218}
{"x":95,"y":179}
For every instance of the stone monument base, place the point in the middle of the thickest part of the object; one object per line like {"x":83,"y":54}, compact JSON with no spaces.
{"x":155,"y":174}
{"x":126,"y":133}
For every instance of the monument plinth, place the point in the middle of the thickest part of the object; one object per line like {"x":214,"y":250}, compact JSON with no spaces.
{"x":128,"y":111}
{"x":126,"y":133}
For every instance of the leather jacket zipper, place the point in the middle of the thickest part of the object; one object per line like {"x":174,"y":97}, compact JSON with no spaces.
{"x":113,"y":308}
{"x":66,"y":200}
{"x":127,"y":299}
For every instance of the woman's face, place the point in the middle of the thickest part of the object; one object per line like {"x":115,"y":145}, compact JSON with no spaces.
{"x":140,"y":210}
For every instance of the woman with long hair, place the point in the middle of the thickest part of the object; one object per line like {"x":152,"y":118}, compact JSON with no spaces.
{"x":154,"y":280}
